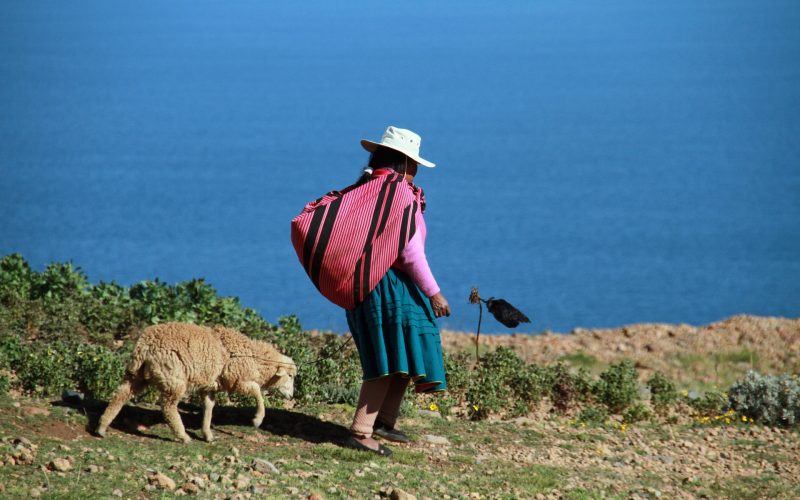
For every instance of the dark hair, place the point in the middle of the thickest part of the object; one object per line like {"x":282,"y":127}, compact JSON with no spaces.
{"x":387,"y":158}
{"x":383,"y":158}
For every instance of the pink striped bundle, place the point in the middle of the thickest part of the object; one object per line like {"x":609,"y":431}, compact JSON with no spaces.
{"x":347,"y":240}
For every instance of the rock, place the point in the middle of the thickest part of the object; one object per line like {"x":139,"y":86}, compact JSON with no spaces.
{"x":35,"y":493}
{"x":293,"y":491}
{"x":190,"y":488}
{"x":214,"y":477}
{"x":241,"y":482}
{"x":258,"y":490}
{"x":117,"y":493}
{"x":198,"y":481}
{"x":60,"y":465}
{"x":23,"y":441}
{"x":664,"y":459}
{"x":161,"y":481}
{"x":264,"y":466}
{"x":430,"y":438}
{"x":92,"y":469}
{"x":398,"y":494}
{"x":235,"y":451}
{"x":725,"y":455}
{"x":429,"y":413}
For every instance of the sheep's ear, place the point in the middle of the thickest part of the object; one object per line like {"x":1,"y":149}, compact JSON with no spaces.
{"x":281,"y":372}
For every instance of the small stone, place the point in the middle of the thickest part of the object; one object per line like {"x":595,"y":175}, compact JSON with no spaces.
{"x":235,"y":451}
{"x":59,"y":464}
{"x":432,"y":439}
{"x":198,"y":481}
{"x":23,"y":441}
{"x":190,"y":488}
{"x":92,"y":469}
{"x":241,"y":482}
{"x":117,"y":493}
{"x":35,"y":493}
{"x":398,"y":494}
{"x":429,"y":413}
{"x":264,"y":466}
{"x":257,"y":490}
{"x":214,"y":477}
{"x":725,"y":455}
{"x":293,"y":491}
{"x":161,"y":481}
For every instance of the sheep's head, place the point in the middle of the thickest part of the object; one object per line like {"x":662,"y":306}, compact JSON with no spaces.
{"x":283,"y":380}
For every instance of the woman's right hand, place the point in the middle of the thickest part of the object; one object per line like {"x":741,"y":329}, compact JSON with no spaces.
{"x":440,"y":305}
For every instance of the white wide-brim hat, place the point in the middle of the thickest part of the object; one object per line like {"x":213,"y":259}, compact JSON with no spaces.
{"x":402,"y":140}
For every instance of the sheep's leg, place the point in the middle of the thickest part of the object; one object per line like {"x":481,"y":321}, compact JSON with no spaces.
{"x":125,"y":392}
{"x":208,"y":409}
{"x":253,"y":389}
{"x":169,"y":405}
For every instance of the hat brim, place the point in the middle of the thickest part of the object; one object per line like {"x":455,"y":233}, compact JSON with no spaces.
{"x":372,"y":146}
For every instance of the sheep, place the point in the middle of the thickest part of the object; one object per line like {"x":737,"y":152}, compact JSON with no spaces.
{"x":175,"y":357}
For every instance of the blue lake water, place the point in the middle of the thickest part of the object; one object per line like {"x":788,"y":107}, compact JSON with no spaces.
{"x":599,"y":163}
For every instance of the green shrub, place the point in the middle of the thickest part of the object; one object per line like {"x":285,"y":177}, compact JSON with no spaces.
{"x":107,"y":312}
{"x":5,"y":384}
{"x":617,"y":388}
{"x":457,"y":369}
{"x":767,"y":399}
{"x":58,"y":282}
{"x":594,"y":415}
{"x":662,"y":393}
{"x":710,"y":403}
{"x":637,"y":412}
{"x":15,"y":278}
{"x":10,"y":351}
{"x":567,"y":388}
{"x":99,"y":370}
{"x":46,"y":369}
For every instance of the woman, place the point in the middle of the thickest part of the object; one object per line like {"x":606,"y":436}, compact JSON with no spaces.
{"x":364,"y":249}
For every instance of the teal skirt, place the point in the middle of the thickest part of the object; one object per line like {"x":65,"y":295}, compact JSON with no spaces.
{"x":395,"y":332}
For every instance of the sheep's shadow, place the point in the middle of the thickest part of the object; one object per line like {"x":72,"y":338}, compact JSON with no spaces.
{"x":132,"y":419}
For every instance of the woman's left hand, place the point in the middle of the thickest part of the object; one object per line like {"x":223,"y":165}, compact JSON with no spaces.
{"x":440,"y":305}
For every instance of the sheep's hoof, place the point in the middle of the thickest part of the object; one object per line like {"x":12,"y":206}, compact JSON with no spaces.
{"x":185,"y":439}
{"x":100,"y":432}
{"x":257,"y":422}
{"x":208,"y":437}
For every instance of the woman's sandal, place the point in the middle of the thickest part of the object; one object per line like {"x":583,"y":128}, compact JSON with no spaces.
{"x":383,"y":451}
{"x":391,"y":434}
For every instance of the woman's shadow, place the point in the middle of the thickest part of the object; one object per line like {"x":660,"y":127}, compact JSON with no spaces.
{"x":135,"y":420}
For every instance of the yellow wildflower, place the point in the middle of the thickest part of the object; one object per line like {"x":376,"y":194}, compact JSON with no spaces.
{"x":744,"y":418}
{"x":434,"y":407}
{"x":475,"y":407}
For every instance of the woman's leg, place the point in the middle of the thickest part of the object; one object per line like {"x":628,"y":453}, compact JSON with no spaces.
{"x":370,"y":400}
{"x":390,"y":408}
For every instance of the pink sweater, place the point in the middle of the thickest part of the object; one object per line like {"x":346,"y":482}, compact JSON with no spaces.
{"x":413,"y":262}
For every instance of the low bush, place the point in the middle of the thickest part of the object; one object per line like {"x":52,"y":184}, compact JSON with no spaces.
{"x":617,"y":387}
{"x":567,"y":388}
{"x":594,"y":415}
{"x":663,"y":394}
{"x":767,"y":399}
{"x":637,"y":412}
{"x":710,"y":403}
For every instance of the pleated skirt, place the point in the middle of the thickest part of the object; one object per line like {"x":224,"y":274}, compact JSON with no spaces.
{"x":395,"y":331}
